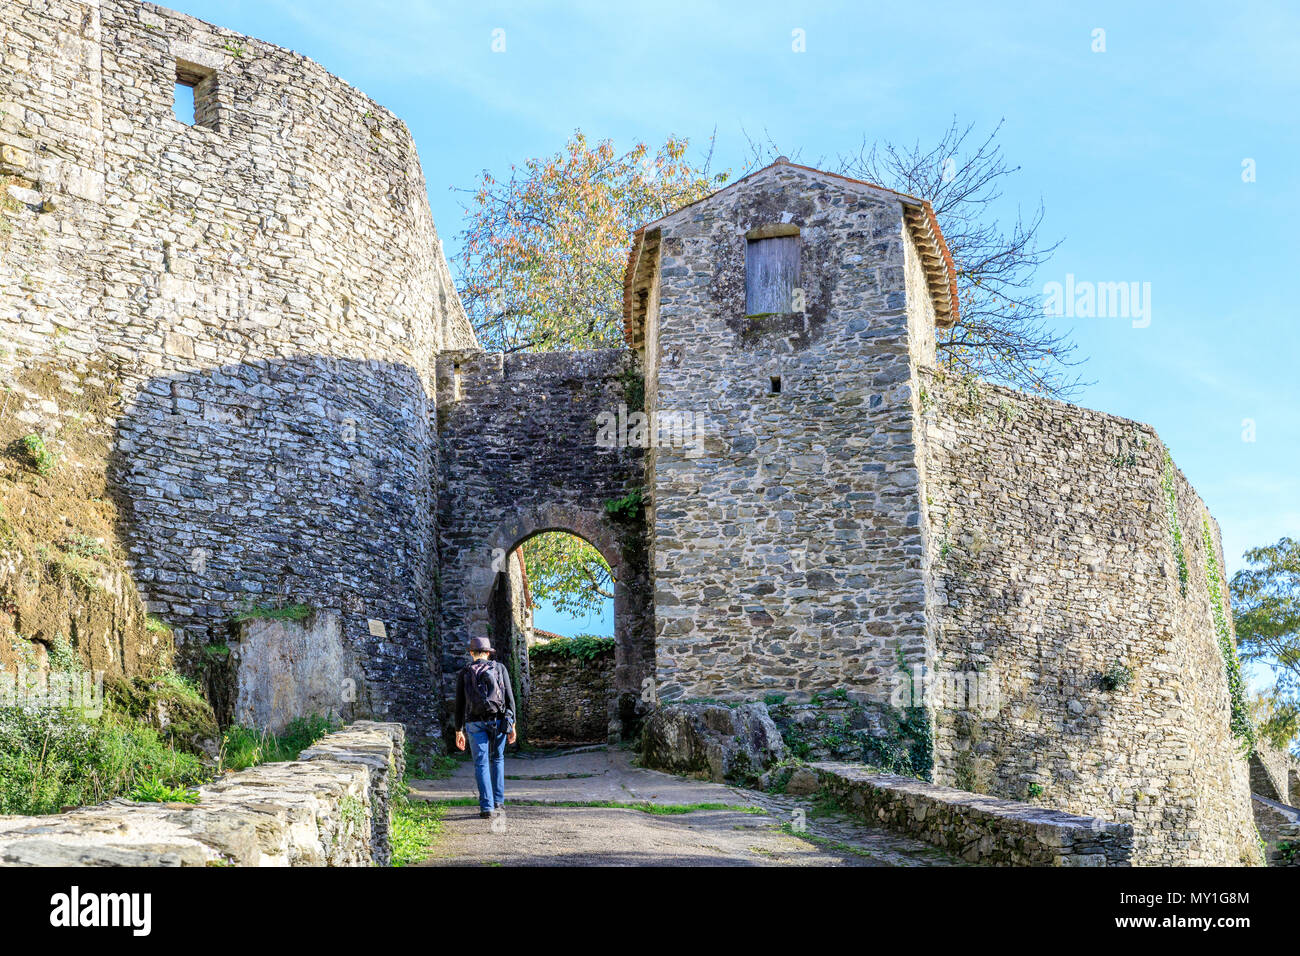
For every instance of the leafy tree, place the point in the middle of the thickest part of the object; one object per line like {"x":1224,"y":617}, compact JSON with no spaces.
{"x":1277,"y":719}
{"x":1266,"y":611}
{"x":544,"y":250}
{"x":567,"y":573}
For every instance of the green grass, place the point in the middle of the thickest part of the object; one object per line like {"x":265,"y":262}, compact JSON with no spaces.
{"x":413,"y":826}
{"x":243,"y":747}
{"x":267,"y":612}
{"x":51,"y":759}
{"x":433,"y":766}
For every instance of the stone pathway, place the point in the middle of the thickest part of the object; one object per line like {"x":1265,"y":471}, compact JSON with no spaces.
{"x":751,"y":828}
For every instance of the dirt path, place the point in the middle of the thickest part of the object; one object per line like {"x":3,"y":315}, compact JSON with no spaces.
{"x":736,"y":827}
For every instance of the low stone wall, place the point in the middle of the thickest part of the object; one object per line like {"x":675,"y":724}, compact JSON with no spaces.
{"x":1273,"y":773}
{"x":570,"y":697}
{"x":328,"y":808}
{"x":1279,"y":828}
{"x":978,"y":828}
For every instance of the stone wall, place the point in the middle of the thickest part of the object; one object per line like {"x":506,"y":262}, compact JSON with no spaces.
{"x":1279,"y":828}
{"x":787,"y":545}
{"x":979,"y":829}
{"x":570,"y":697}
{"x":328,"y":808}
{"x":1056,"y":578}
{"x":519,"y":456}
{"x":262,"y":296}
{"x":1273,"y":774}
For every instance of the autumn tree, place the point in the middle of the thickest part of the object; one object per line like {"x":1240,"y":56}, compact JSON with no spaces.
{"x":544,"y":248}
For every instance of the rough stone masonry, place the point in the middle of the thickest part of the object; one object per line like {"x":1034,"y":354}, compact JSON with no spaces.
{"x":301,"y":415}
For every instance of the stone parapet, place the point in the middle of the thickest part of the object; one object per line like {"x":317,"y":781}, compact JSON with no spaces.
{"x":328,"y":808}
{"x":978,"y":828}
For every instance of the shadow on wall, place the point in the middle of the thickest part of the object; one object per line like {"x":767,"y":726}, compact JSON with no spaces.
{"x":283,"y":486}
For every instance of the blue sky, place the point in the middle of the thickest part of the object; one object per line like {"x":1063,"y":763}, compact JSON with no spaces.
{"x":1136,"y":153}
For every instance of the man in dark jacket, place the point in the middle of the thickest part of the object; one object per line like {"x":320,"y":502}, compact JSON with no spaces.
{"x":485,"y":709}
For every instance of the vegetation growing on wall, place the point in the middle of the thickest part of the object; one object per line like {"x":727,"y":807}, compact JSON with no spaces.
{"x":625,"y":508}
{"x":274,"y":612}
{"x":583,"y":647}
{"x":841,"y":730}
{"x":1242,"y":726}
{"x":1175,"y":527}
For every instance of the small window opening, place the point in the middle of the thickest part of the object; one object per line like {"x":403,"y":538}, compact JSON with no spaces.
{"x":772,"y":269}
{"x":195,"y":101}
{"x":776,"y":384}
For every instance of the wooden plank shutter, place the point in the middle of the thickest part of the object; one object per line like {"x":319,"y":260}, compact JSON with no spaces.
{"x":771,"y":274}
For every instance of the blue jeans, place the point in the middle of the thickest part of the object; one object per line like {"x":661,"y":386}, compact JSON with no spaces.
{"x":487,"y":742}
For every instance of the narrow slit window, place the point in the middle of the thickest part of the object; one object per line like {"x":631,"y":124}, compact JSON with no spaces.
{"x":195,"y":102}
{"x":771,"y":269}
{"x":776,"y":384}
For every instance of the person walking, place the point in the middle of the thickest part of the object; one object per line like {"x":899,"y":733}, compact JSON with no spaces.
{"x":485,"y":710}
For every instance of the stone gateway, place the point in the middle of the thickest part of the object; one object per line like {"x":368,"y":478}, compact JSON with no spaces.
{"x":1025,"y":596}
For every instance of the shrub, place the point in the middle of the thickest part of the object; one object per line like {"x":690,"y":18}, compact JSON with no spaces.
{"x":39,"y":456}
{"x":584,"y":647}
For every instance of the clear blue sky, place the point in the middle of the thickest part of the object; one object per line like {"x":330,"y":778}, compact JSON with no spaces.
{"x":1136,"y":153}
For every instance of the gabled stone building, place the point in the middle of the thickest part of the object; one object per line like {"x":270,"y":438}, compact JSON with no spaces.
{"x":252,"y":318}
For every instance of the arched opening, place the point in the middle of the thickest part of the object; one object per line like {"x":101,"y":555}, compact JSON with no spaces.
{"x":551,"y":618}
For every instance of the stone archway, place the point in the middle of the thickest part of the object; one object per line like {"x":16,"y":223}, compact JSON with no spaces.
{"x":633,"y":631}
{"x":520,"y":453}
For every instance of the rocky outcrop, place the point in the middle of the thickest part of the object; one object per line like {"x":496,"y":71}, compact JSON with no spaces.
{"x":725,"y":743}
{"x":328,"y":808}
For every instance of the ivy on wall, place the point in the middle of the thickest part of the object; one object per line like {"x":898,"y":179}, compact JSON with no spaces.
{"x":584,"y":647}
{"x":1242,"y":727}
{"x":1175,"y":528}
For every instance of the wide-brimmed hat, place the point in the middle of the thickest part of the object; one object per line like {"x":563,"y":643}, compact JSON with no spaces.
{"x":480,"y":644}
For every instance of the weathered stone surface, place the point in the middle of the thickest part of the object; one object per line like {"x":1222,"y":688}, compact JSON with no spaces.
{"x":518,"y":455}
{"x":570,"y":697}
{"x":263,"y":293}
{"x":295,"y":409}
{"x":328,"y":808}
{"x":976,"y":827}
{"x":803,"y":781}
{"x":726,"y":743}
{"x":1279,"y":828}
{"x":1052,"y":561}
{"x":786,"y":543}
{"x":288,"y":669}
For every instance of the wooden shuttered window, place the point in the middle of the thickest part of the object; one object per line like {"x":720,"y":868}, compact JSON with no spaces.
{"x":771,"y":269}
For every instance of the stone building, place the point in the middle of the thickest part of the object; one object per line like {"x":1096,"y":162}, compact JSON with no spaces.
{"x":297,"y":412}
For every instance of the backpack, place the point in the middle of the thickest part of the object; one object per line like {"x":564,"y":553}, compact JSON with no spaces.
{"x":485,"y":694}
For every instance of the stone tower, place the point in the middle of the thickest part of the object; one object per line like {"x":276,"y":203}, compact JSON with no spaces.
{"x":1038,"y":578}
{"x":788,"y":314}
